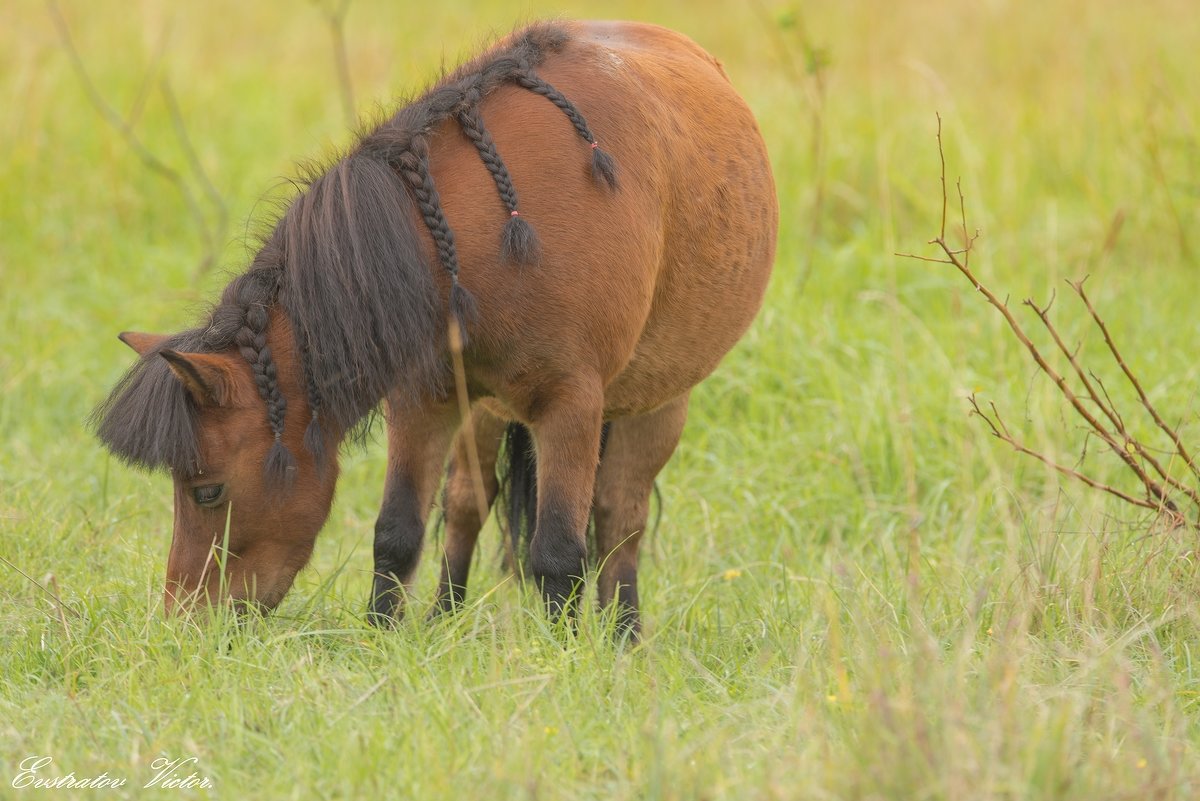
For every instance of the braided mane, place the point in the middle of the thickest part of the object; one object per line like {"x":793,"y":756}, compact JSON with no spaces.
{"x":345,"y":265}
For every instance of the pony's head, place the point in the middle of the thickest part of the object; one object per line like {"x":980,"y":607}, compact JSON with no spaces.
{"x":250,"y":497}
{"x":338,"y":311}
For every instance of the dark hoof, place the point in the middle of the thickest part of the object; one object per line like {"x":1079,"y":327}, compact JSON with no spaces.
{"x":628,"y":627}
{"x":386,"y":606}
{"x":381,"y":621}
{"x":561,"y":596}
{"x":441,"y":609}
{"x":628,"y":635}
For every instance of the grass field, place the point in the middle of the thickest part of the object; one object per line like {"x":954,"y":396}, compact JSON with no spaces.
{"x":854,"y":591}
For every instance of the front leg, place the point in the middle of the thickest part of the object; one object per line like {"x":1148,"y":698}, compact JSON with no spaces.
{"x":417,"y":445}
{"x":566,"y":436}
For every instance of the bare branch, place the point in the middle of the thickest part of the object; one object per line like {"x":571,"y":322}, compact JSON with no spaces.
{"x":160,"y":50}
{"x":942,"y":156}
{"x":968,"y":240}
{"x":1128,"y":445}
{"x":922,"y":258}
{"x":1107,"y":399}
{"x":1153,"y":488}
{"x":1000,"y":431}
{"x":1180,"y":448}
{"x":1108,"y":425}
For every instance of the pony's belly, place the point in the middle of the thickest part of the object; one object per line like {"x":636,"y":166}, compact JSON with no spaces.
{"x":677,"y":353}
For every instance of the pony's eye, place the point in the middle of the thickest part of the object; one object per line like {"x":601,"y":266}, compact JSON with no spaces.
{"x":209,"y":494}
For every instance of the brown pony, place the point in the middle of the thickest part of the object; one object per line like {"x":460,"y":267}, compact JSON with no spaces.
{"x":586,"y":312}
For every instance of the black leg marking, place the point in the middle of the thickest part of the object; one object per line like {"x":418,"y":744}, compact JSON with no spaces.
{"x":399,"y":535}
{"x":558,"y":559}
{"x":628,"y":619}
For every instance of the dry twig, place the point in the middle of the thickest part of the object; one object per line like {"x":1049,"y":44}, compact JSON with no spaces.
{"x":1164,"y":492}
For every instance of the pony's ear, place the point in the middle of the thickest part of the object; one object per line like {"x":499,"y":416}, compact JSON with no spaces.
{"x":141,"y":343}
{"x":208,"y":377}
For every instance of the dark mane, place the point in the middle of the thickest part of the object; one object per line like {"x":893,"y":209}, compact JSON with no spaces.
{"x":345,"y":265}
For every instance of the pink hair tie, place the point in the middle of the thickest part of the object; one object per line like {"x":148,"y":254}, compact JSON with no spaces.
{"x":515,"y":213}
{"x":595,"y":145}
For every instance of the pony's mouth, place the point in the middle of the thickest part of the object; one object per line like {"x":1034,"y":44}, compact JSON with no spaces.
{"x":186,"y":602}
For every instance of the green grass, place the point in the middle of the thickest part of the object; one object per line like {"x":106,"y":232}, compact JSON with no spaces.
{"x":854,"y":592}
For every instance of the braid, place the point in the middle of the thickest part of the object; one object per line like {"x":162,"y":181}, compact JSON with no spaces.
{"x":539,"y":86}
{"x":603,"y":166}
{"x":518,"y":242}
{"x":472,"y":125}
{"x":241,"y":319}
{"x":313,"y":441}
{"x":414,"y":168}
{"x":251,"y":341}
{"x":402,"y":143}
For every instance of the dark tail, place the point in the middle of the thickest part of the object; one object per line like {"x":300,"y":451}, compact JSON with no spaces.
{"x":518,"y":492}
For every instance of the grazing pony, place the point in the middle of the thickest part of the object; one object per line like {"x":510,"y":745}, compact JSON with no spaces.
{"x":576,"y":316}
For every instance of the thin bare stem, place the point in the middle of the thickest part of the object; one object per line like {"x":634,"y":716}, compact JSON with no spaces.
{"x":922,"y":258}
{"x":1152,"y":487}
{"x":1000,"y":431}
{"x":968,"y":239}
{"x":1167,"y":429}
{"x":1107,"y":425}
{"x":1121,"y":437}
{"x":959,"y":260}
{"x":468,"y":427}
{"x":1108,"y":399}
{"x":335,"y":17}
{"x":210,"y":191}
{"x":53,"y":596}
{"x":160,"y":50}
{"x":942,"y":157}
{"x":122,"y":127}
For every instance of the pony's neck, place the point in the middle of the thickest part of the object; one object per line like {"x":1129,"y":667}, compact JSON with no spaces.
{"x":301,"y":396}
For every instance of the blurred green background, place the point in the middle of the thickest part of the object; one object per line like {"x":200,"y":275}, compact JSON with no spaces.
{"x":854,"y":591}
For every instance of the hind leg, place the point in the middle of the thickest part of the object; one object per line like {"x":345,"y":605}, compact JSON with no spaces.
{"x":636,"y":451}
{"x":462,"y":504}
{"x":417,"y":445}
